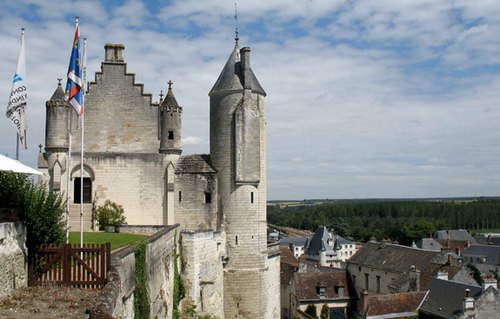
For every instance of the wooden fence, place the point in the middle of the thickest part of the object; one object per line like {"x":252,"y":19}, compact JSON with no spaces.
{"x":71,"y":265}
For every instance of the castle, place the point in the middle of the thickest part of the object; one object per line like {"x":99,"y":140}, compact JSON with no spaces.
{"x":133,"y":156}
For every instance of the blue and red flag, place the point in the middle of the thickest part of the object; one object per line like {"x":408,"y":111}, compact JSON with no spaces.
{"x":74,"y":86}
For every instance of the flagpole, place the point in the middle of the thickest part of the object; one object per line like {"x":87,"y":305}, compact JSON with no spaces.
{"x":68,"y":176}
{"x":82,"y":117}
{"x":17,"y":146}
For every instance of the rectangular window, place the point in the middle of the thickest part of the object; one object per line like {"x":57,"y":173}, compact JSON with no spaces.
{"x":236,"y":239}
{"x":208,"y":198}
{"x":180,"y":196}
{"x":367,"y":283}
{"x":87,"y":190}
{"x":170,"y":135}
{"x":378,"y":284}
{"x":251,"y":197}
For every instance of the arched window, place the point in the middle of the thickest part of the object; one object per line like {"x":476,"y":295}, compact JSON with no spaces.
{"x":85,"y":183}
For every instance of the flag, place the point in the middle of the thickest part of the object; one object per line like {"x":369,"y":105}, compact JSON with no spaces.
{"x":74,"y":86}
{"x":16,"y":109}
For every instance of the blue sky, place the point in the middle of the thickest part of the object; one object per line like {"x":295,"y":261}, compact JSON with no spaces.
{"x":365,"y":98}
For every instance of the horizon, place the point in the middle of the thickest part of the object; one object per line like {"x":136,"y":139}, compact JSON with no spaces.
{"x":365,"y":99}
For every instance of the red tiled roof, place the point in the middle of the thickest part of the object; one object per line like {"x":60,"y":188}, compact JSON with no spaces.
{"x":307,"y":285}
{"x":287,"y":257}
{"x":395,"y":303}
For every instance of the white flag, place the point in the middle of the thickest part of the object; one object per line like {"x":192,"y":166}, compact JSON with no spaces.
{"x":16,"y":109}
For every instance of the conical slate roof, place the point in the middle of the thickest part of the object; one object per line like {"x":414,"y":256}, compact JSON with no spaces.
{"x":170,"y":100}
{"x":58,"y":93}
{"x":231,"y":77}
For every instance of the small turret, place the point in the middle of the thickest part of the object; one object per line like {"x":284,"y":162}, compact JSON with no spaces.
{"x":56,"y":130}
{"x":170,"y":124}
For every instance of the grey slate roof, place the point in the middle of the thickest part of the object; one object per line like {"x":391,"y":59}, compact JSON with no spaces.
{"x":296,"y":241}
{"x":392,"y":257}
{"x":58,"y":94}
{"x":445,"y":297}
{"x":490,"y":254}
{"x":170,"y":100}
{"x":193,"y":164}
{"x":231,"y":78}
{"x":455,"y":234}
{"x":429,"y":244}
{"x":319,"y":241}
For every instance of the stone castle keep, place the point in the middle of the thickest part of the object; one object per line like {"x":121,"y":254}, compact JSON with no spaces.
{"x":133,"y":156}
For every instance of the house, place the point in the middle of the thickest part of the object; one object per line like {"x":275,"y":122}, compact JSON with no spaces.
{"x":327,"y":250}
{"x":456,"y":239}
{"x":398,"y":305}
{"x":382,"y":268}
{"x":329,"y":288}
{"x":482,"y":254}
{"x":486,"y":306}
{"x":296,"y":244}
{"x":448,"y":299}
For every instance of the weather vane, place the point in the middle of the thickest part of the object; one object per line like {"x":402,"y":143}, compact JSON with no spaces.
{"x":236,"y":38}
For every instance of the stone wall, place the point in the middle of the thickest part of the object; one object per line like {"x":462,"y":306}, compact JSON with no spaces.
{"x":13,"y":257}
{"x":202,"y":271}
{"x":117,"y":298}
{"x":131,"y":180}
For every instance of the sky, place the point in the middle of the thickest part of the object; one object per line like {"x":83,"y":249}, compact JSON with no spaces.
{"x":365,"y":99}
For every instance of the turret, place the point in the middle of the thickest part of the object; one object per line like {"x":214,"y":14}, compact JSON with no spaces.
{"x":56,"y":129}
{"x":170,"y":124}
{"x":238,"y":153}
{"x":56,"y":138}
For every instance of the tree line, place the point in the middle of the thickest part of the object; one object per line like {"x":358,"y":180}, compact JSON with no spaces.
{"x":397,"y":220}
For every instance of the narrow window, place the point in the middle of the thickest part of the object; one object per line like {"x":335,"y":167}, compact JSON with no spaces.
{"x":236,"y":239}
{"x":180,"y":196}
{"x":378,"y":284}
{"x":170,"y":135}
{"x":208,"y":198}
{"x":367,"y":286}
{"x":251,"y":197}
{"x":87,"y":190}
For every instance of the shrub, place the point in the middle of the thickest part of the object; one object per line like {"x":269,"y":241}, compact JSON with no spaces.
{"x":41,"y":210}
{"x":110,"y":214}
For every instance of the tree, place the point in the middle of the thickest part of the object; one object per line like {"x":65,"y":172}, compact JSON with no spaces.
{"x":41,"y":210}
{"x":325,"y":312}
{"x":311,"y":310}
{"x":110,"y":214}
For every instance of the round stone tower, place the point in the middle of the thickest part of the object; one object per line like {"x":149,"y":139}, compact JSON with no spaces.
{"x":238,"y":153}
{"x":171,"y":146}
{"x":56,"y":136}
{"x":170,"y":124}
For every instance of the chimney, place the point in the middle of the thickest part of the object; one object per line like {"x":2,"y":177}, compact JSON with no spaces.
{"x":363,"y":302}
{"x":490,"y":282}
{"x":114,"y":52}
{"x":468,"y":303}
{"x":443,"y":275}
{"x":448,"y":262}
{"x":245,"y":68}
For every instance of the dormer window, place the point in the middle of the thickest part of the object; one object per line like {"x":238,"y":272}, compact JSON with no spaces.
{"x":321,"y":291}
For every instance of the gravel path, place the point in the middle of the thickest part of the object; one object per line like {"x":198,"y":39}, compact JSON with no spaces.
{"x":48,"y":303}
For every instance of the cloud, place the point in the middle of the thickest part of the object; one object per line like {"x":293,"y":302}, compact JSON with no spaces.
{"x":365,"y":98}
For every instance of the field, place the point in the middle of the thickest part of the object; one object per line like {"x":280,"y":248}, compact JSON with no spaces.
{"x":117,"y":240}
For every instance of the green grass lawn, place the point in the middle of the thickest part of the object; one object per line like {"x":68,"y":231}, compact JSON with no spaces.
{"x":117,"y":240}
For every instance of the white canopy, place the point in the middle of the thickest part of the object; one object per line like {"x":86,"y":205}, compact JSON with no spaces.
{"x":11,"y":165}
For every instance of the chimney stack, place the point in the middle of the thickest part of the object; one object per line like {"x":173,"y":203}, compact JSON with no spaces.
{"x":245,"y":68}
{"x":114,"y":52}
{"x":364,"y":299}
{"x":468,"y":303}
